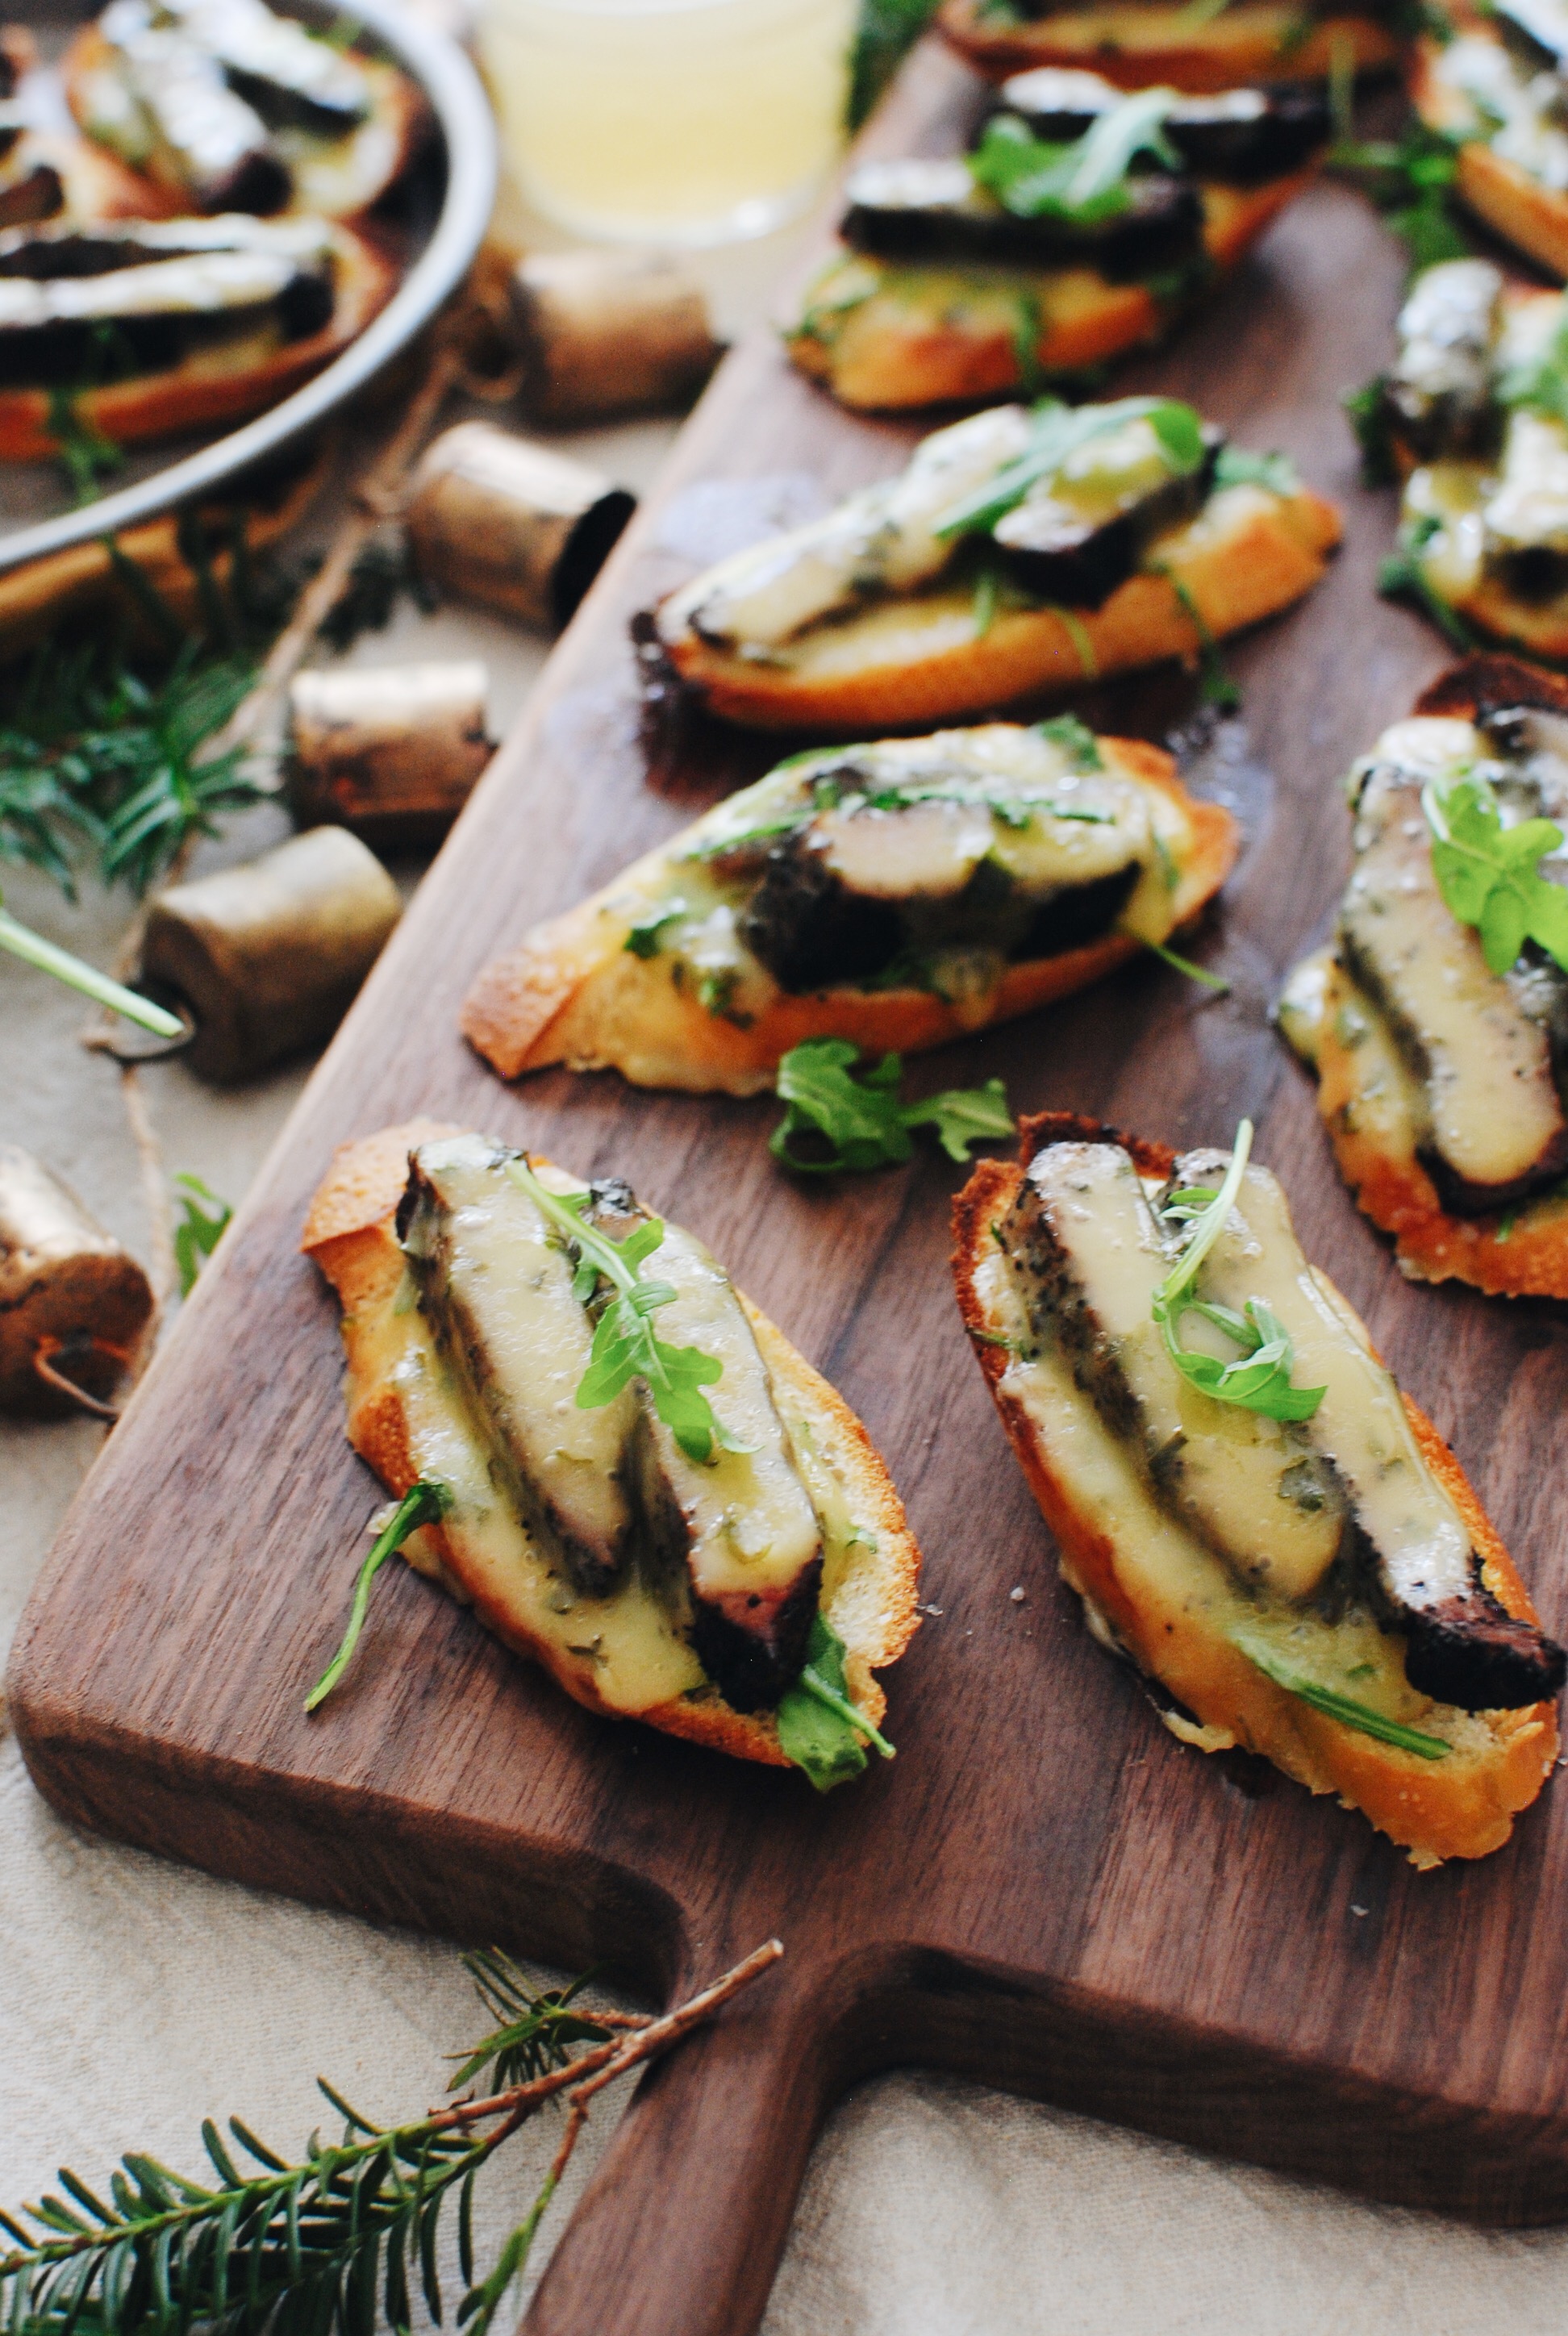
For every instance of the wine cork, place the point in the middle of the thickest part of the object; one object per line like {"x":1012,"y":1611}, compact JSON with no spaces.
{"x":502,"y":520}
{"x":609,"y":332}
{"x":390,"y":751}
{"x":270,"y":955}
{"x":71,"y":1299}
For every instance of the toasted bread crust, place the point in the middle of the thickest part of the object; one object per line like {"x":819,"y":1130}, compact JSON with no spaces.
{"x":1272,"y":553}
{"x":349,"y":1234}
{"x":888,"y":356}
{"x":189,"y":395}
{"x":1461,"y":1806}
{"x":552,"y":1000}
{"x":1516,"y":1253}
{"x":1532,"y":217}
{"x":1138,"y":46}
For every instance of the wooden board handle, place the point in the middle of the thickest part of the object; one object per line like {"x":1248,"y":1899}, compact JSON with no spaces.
{"x":681,"y":2229}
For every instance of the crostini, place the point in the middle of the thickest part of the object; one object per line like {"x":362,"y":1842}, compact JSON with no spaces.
{"x":1248,"y":1507}
{"x":1140,"y":43}
{"x":142,"y":328}
{"x":708,"y":1566}
{"x":1019,"y":552}
{"x":897,"y":894}
{"x":1497,"y":90}
{"x":1470,"y":416}
{"x":225,"y":105}
{"x":1433,"y":1018}
{"x":1081,"y":224}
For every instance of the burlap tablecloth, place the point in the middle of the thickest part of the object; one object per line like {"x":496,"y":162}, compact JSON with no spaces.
{"x":137,"y":1998}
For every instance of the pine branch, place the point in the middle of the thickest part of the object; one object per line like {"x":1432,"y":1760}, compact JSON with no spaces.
{"x":334,"y":2243}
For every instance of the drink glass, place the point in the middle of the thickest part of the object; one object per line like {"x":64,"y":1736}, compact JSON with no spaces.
{"x":669,"y":120}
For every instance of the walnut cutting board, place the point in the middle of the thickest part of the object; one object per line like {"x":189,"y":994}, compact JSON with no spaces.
{"x":1044,"y":1888}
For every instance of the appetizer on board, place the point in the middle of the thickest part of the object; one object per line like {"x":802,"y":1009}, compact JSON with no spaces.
{"x":1497,"y":89}
{"x":1471,"y":417}
{"x":1138,"y":44}
{"x":1435,"y":1017}
{"x":147,"y":327}
{"x":224,"y":105}
{"x":706,"y":1547}
{"x":1249,"y":1508}
{"x":1081,"y":223}
{"x":47,"y":171}
{"x":1018,"y":553}
{"x":896,"y":895}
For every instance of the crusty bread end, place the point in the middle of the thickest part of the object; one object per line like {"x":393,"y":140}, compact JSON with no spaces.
{"x":350,"y":1233}
{"x":1461,"y":1806}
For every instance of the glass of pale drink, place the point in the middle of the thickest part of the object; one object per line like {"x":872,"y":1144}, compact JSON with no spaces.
{"x":669,"y":120}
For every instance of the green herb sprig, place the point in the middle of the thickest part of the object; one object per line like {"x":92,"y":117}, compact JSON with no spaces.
{"x":1411,"y":184}
{"x":820,"y":1731}
{"x":1059,"y":431}
{"x":334,"y":2243}
{"x":1487,"y":873}
{"x":22,"y":941}
{"x":1346,"y":1708}
{"x":1259,"y":1379}
{"x":625,"y":1344}
{"x":204,"y":1218}
{"x":862,"y":1122}
{"x":424,"y":1503}
{"x":1083,"y":179}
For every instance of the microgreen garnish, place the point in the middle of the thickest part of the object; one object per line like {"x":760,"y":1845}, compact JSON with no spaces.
{"x":862,"y":1120}
{"x":643,"y":939}
{"x":1075,"y":738}
{"x":1216,"y":684}
{"x":1215,"y":981}
{"x":1241,"y":466}
{"x":819,"y":1727}
{"x":1059,"y":431}
{"x":1259,"y":1379}
{"x":1344,"y":1708}
{"x":1084,"y":180}
{"x":203,"y":1221}
{"x":1402,"y":577}
{"x":626,"y":1346}
{"x":422,"y":1504}
{"x":1410,"y":184}
{"x":31,"y":948}
{"x":81,"y":448}
{"x":1486,"y":872}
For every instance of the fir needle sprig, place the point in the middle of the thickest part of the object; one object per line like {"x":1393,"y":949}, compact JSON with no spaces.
{"x":330,"y":2244}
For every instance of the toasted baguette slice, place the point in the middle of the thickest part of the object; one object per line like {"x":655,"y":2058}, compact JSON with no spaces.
{"x":872,"y":1565}
{"x":577,"y":993}
{"x":886,"y":337}
{"x":1143,"y":43}
{"x":1526,"y":214}
{"x":209,"y":385}
{"x":1364,"y":1089}
{"x":1137,"y":1587}
{"x":921,"y":657}
{"x":332,"y":177}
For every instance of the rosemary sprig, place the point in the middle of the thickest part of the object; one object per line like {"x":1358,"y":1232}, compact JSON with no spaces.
{"x":625,"y":1344}
{"x":332,"y":2243}
{"x":31,"y":948}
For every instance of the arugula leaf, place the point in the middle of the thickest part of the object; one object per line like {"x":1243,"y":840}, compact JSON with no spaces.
{"x":818,"y":1728}
{"x":1059,"y":431}
{"x":1401,"y":577}
{"x":1259,"y":1379}
{"x":862,"y":1120}
{"x":1367,"y":410}
{"x":1084,"y":179}
{"x":205,"y":1218}
{"x":1184,"y":965}
{"x":1075,"y":738}
{"x":643,"y":937}
{"x":625,"y":1344}
{"x":1487,"y":875}
{"x":422,"y":1504}
{"x":1410,"y":184}
{"x":1344,"y":1708}
{"x":1241,"y":466}
{"x":1215,"y":686}
{"x":1541,"y":381}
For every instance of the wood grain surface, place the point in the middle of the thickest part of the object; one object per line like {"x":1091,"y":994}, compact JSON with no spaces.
{"x":1043,"y":1889}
